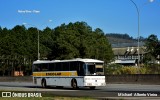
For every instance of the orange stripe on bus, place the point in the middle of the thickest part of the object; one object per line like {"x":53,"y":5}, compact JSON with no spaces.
{"x":54,"y":73}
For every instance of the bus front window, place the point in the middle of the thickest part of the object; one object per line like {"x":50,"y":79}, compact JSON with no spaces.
{"x":91,"y":69}
{"x":99,"y":69}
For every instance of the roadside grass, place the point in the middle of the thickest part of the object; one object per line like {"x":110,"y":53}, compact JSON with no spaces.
{"x":48,"y":98}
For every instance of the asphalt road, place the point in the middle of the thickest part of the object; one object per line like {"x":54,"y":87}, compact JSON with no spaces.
{"x":116,"y":91}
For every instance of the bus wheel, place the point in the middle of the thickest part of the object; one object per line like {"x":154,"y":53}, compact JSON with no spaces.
{"x":43,"y":83}
{"x":92,"y":88}
{"x":74,"y":84}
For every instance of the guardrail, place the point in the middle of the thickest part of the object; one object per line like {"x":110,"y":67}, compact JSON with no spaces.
{"x":16,"y":79}
{"x":125,"y":79}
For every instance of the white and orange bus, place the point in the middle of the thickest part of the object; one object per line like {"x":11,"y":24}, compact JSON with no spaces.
{"x":75,"y":73}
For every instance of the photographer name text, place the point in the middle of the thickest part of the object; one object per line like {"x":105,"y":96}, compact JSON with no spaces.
{"x":137,"y":94}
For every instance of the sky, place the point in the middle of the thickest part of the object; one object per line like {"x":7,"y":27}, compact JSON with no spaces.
{"x":112,"y":16}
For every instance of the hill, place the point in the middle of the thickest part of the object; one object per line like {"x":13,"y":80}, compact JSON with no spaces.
{"x":115,"y":38}
{"x":123,"y":40}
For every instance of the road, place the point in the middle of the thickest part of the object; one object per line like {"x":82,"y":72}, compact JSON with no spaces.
{"x":128,"y":91}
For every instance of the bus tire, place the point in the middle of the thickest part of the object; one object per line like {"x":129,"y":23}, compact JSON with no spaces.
{"x":74,"y":84}
{"x":92,"y":87}
{"x":43,"y":83}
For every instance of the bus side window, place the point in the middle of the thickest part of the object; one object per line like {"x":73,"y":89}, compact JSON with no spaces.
{"x":81,"y":69}
{"x":84,"y":68}
{"x":44,"y":67}
{"x":58,"y":67}
{"x":65,"y":66}
{"x":51,"y":66}
{"x":72,"y":66}
{"x":37,"y":67}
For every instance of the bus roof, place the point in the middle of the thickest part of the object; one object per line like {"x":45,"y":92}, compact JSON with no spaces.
{"x":77,"y":59}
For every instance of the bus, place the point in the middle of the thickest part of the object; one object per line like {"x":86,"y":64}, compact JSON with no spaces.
{"x":74,"y":73}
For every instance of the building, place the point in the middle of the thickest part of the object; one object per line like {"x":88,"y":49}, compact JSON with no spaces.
{"x":127,"y":53}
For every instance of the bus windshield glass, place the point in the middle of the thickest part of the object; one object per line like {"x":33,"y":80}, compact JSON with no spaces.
{"x":91,"y":69}
{"x":99,"y":69}
{"x":94,"y":69}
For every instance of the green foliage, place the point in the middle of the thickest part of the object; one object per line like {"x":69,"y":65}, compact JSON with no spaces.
{"x":152,"y":48}
{"x":113,"y":69}
{"x":143,"y":70}
{"x":122,"y":36}
{"x":152,"y":68}
{"x":116,"y":69}
{"x":77,"y":40}
{"x":115,"y":38}
{"x":129,"y":70}
{"x":18,"y":46}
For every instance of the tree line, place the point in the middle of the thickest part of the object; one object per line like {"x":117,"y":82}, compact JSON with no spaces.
{"x":19,"y":45}
{"x":115,"y":38}
{"x":118,"y":35}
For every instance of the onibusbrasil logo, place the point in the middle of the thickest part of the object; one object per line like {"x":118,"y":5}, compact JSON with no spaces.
{"x":21,"y":94}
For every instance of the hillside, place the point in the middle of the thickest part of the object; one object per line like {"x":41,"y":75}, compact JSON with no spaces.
{"x":115,"y":38}
{"x":123,"y":40}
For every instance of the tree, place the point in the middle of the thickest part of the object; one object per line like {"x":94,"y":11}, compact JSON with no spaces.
{"x":18,"y":46}
{"x":77,"y":40}
{"x":152,"y":48}
{"x":46,"y":41}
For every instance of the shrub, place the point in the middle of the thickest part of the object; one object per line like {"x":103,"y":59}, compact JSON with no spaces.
{"x":128,"y":70}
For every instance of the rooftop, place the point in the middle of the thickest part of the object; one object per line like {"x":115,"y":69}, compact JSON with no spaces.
{"x":70,"y":60}
{"x":129,"y":50}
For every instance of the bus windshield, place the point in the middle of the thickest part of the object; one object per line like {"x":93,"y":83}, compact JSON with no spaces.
{"x":99,"y":69}
{"x":91,"y":69}
{"x":94,"y":69}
